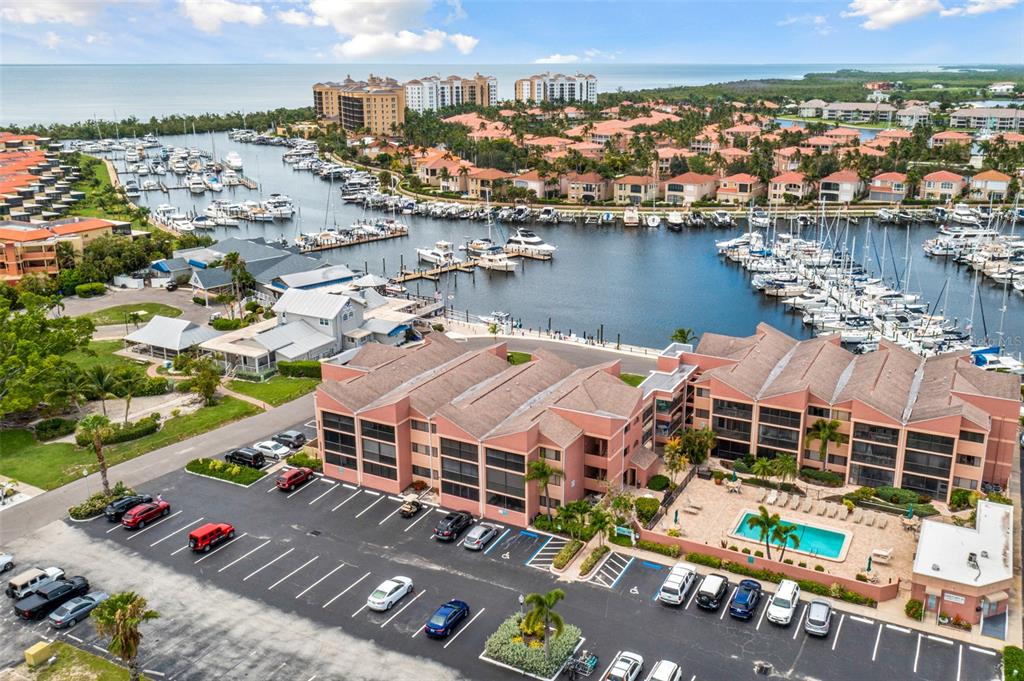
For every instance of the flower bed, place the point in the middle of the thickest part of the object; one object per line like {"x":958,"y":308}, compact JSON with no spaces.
{"x":222,"y":470}
{"x":510,"y":646}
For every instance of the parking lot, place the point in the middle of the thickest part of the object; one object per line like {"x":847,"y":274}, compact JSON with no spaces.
{"x":318,"y":551}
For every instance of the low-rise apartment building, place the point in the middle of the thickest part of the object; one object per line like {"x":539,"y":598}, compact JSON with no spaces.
{"x":942,"y":185}
{"x":433,"y":92}
{"x":843,"y":186}
{"x":912,"y":116}
{"x":546,"y":187}
{"x":31,"y":248}
{"x":556,"y":87}
{"x":739,"y":188}
{"x":689,"y":187}
{"x":811,"y":108}
{"x":988,"y":118}
{"x":858,"y":112}
{"x":888,"y":187}
{"x":635,"y":189}
{"x":376,"y":104}
{"x":586,"y":187}
{"x":941,"y":139}
{"x":481,"y":182}
{"x":990,"y":185}
{"x":792,"y":183}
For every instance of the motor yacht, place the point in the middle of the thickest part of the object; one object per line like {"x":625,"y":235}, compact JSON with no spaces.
{"x":232,"y":160}
{"x":524,"y":240}
{"x":440,"y":254}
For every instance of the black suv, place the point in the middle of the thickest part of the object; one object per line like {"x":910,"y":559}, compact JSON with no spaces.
{"x":116,"y":509}
{"x":246,"y":456}
{"x":452,"y":525}
{"x":49,"y":597}
{"x":290,"y":438}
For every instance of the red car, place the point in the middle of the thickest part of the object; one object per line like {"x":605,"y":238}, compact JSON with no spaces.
{"x":137,"y":516}
{"x":291,"y":479}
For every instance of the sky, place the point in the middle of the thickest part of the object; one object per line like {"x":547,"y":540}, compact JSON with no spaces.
{"x":560,"y":32}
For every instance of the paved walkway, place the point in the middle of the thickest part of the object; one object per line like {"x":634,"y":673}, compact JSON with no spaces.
{"x":245,"y":398}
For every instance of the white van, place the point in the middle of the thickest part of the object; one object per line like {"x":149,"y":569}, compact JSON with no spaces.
{"x":784,"y":602}
{"x":24,"y":583}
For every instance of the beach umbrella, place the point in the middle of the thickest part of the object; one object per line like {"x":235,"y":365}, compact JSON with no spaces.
{"x":732,"y":478}
{"x":869,"y":564}
{"x":910,"y":510}
{"x":677,"y":517}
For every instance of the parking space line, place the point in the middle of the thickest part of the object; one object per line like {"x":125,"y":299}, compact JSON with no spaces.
{"x":624,"y":570}
{"x":424,"y":515}
{"x":878,"y":638}
{"x":332,"y":488}
{"x":75,"y":638}
{"x":373,"y":492}
{"x":292,"y":573}
{"x":727,"y":602}
{"x":835,"y":639}
{"x":982,"y":651}
{"x":463,"y":628}
{"x":959,"y":661}
{"x":362,"y":607}
{"x":388,"y":516}
{"x":152,"y":672}
{"x":168,"y":536}
{"x":696,"y":587}
{"x":303,"y":592}
{"x":177,"y":551}
{"x":392,"y":497}
{"x":348,"y":499}
{"x":147,"y":528}
{"x":304,"y":487}
{"x":310,"y":424}
{"x":491,"y":547}
{"x":347,"y":589}
{"x":918,"y":653}
{"x":388,"y":620}
{"x":377,"y":501}
{"x":115,"y":527}
{"x":897,"y":628}
{"x":529,"y":534}
{"x":439,"y":510}
{"x":939,"y":639}
{"x":272,"y":488}
{"x":345,"y":484}
{"x":244,"y":557}
{"x":858,"y":618}
{"x":800,"y":622}
{"x":761,"y":618}
{"x":222,"y":546}
{"x":258,"y":570}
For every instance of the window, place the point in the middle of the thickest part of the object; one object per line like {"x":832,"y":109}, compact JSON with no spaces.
{"x":339,"y":443}
{"x":378,"y":431}
{"x":511,"y":503}
{"x":460,"y":490}
{"x":866,"y":431}
{"x":339,"y":460}
{"x":812,"y":455}
{"x":837,"y":460}
{"x":930,"y":486}
{"x":702,"y":413}
{"x":506,"y":483}
{"x":421,"y":426}
{"x":778,"y":437}
{"x":346,"y":424}
{"x":968,"y":460}
{"x":730,"y":450}
{"x":595,"y":473}
{"x":939,"y":444}
{"x":380,"y":471}
{"x":421,"y":449}
{"x":460,"y":471}
{"x":421,"y":471}
{"x":731,"y":428}
{"x":818,"y":412}
{"x":548,"y":503}
{"x":841,"y":415}
{"x":379,"y":452}
{"x":878,"y":455}
{"x":513,"y":462}
{"x":965,"y":483}
{"x":324,"y":322}
{"x":467,"y":451}
{"x":865,"y":476}
{"x":737,"y":409}
{"x":779,"y":417}
{"x":928,"y":464}
{"x":550,"y":454}
{"x":971,"y":436}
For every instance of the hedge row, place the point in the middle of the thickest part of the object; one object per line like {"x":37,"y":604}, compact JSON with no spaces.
{"x":593,"y":559}
{"x":827,"y":478}
{"x":90,"y":290}
{"x":303,"y":460}
{"x":225,"y":324}
{"x":303,"y":368}
{"x":122,"y":433}
{"x":567,"y":553}
{"x":47,"y":429}
{"x":222,"y":470}
{"x":646,"y":508}
{"x":670,"y":550}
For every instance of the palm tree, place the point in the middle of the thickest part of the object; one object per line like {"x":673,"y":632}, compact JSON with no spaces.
{"x":601,"y":521}
{"x":785,"y":468}
{"x":541,"y":471}
{"x":119,"y":618}
{"x":765,"y":523}
{"x":104,"y":383}
{"x":763,"y":468}
{"x":129,"y":383}
{"x":96,"y":427}
{"x":543,"y":613}
{"x":675,"y":459}
{"x":683,"y":335}
{"x":72,"y":387}
{"x":824,"y":432}
{"x":624,"y":504}
{"x":570,"y":517}
{"x":235,"y":265}
{"x":785,"y":536}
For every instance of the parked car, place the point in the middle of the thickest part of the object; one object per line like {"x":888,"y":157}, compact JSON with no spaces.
{"x":819,"y":618}
{"x":712,"y":592}
{"x":246,"y":456}
{"x":205,"y":537}
{"x":115,"y":510}
{"x":480,"y":536}
{"x":214,"y":317}
{"x":678,"y":584}
{"x":388,"y":593}
{"x":6,"y":562}
{"x":136,"y":517}
{"x":665,"y":670}
{"x":171,"y":286}
{"x":290,"y":438}
{"x":444,"y":619}
{"x":452,"y":525}
{"x":76,"y":610}
{"x":272,"y":449}
{"x":783,"y":603}
{"x":46,"y":598}
{"x":745,"y":599}
{"x":410,"y":507}
{"x":27,"y":581}
{"x":625,"y":667}
{"x":293,"y":477}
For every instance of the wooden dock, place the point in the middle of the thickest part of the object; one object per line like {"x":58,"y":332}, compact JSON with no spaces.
{"x":434,"y":273}
{"x":530,"y":253}
{"x":331,"y":245}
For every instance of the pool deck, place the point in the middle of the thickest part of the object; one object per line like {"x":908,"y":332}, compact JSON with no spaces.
{"x":790,"y":516}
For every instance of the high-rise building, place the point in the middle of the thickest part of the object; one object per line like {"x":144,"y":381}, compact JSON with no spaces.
{"x":558,"y":88}
{"x":433,"y":92}
{"x":376,"y":104}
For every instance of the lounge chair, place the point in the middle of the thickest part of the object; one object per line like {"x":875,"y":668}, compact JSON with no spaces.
{"x":882,"y":556}
{"x":844,"y":514}
{"x":858,"y":515}
{"x":783,"y":500}
{"x":833,"y":510}
{"x":807,"y":505}
{"x":883,"y":520}
{"x":795,"y":503}
{"x":761,"y":495}
{"x":691,"y":510}
{"x":696,"y":506}
{"x":823,"y":508}
{"x":869,"y":521}
{"x":772,"y":498}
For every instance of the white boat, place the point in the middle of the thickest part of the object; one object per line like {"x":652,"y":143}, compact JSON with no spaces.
{"x":965,"y":215}
{"x":196,"y":185}
{"x":440,"y":254}
{"x":150,"y":185}
{"x":721,"y":218}
{"x":675,"y":220}
{"x":547,"y":214}
{"x":232,"y":160}
{"x":213,"y":183}
{"x":229,"y":177}
{"x":524,"y":240}
{"x":653,"y":220}
{"x":131,"y":188}
{"x":759,"y":219}
{"x":630,"y":217}
{"x":497,"y":261}
{"x":279,"y":206}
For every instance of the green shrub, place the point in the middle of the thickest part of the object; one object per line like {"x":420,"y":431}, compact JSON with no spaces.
{"x":646,"y":508}
{"x":222,"y":470}
{"x":304,"y":368}
{"x":184,"y":386}
{"x":733,"y":547}
{"x":90,"y":290}
{"x":123,"y":433}
{"x":914,"y":609}
{"x":861,"y":577}
{"x":895,"y":495}
{"x":567,"y":553}
{"x":1013,"y":663}
{"x":862,"y":494}
{"x":593,"y":559}
{"x":746,"y":550}
{"x":670,"y":550}
{"x":225,"y":324}
{"x":819,"y":568}
{"x":801,"y":564}
{"x":152,"y":385}
{"x":759,"y":553}
{"x":437,"y":327}
{"x":94,"y":505}
{"x":740,"y":467}
{"x":252,"y":306}
{"x":712,"y":562}
{"x":584,"y":532}
{"x":658,"y":483}
{"x":718,"y":475}
{"x":997,"y":498}
{"x":827,"y":478}
{"x":47,"y":429}
{"x":787,"y":561}
{"x":199,"y":300}
{"x":304,"y":460}
{"x":506,"y":645}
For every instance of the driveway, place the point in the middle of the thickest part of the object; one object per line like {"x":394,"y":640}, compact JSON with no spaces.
{"x":182,"y":299}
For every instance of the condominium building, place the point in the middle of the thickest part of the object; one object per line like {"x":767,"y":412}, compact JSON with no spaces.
{"x":376,"y":104}
{"x":858,"y":112}
{"x":989,"y":118}
{"x":31,"y":248}
{"x":557,"y":87}
{"x":433,"y":92}
{"x":925,"y":424}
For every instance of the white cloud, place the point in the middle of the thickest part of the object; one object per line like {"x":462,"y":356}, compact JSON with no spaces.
{"x":77,"y":12}
{"x":363,"y":45}
{"x":209,"y":15}
{"x":818,"y":23}
{"x":558,"y":59}
{"x":594,"y":53}
{"x":368,"y":16}
{"x":463,"y":43}
{"x":294,"y":17}
{"x":97,"y":39}
{"x":883,"y":14}
{"x":52,"y":40}
{"x":974,"y":7}
{"x":457,"y":12}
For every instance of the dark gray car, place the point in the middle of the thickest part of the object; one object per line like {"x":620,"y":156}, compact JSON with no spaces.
{"x":480,"y":536}
{"x":76,"y":610}
{"x":819,"y":618}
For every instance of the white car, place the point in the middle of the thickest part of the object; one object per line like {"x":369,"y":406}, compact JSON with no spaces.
{"x":272,"y":450}
{"x":625,"y":667}
{"x":677,"y":585}
{"x":784,"y":602}
{"x":6,"y":561}
{"x":665,"y":670}
{"x":388,"y":593}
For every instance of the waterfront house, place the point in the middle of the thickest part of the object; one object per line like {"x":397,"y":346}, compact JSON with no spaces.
{"x":791,"y":183}
{"x":941,"y":139}
{"x":811,"y":108}
{"x":942,"y":185}
{"x":1010,"y":139}
{"x":31,"y":248}
{"x":665,"y":156}
{"x":843,"y":186}
{"x":435,"y":170}
{"x":989,"y":118}
{"x":858,"y":112}
{"x":586,"y":187}
{"x":888,"y":187}
{"x":990,"y":185}
{"x":821,"y":143}
{"x":912,"y":116}
{"x":844,"y":136}
{"x":688,"y":187}
{"x":739,"y":188}
{"x":542,"y":187}
{"x":482,"y":181}
{"x":786,"y":159}
{"x":1003,"y":88}
{"x":743,"y":131}
{"x":635,"y":189}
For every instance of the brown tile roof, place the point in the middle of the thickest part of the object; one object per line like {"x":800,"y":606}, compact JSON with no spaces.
{"x":691,"y":178}
{"x":992,"y":175}
{"x":943,"y":176}
{"x":791,"y":176}
{"x":842,"y":176}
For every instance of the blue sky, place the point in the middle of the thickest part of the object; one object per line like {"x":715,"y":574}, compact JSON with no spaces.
{"x":514,"y":32}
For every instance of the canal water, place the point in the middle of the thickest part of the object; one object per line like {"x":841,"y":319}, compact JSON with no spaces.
{"x":639,"y":284}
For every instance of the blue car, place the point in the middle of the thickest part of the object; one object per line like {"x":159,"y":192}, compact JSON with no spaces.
{"x":443,"y":621}
{"x":745,"y":600}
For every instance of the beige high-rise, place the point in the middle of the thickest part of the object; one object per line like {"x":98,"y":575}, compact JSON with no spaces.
{"x":376,"y":104}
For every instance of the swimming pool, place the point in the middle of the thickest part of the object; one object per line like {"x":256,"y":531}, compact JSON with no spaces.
{"x":814,"y":540}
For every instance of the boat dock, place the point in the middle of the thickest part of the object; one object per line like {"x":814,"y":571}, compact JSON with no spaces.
{"x":434,"y":273}
{"x":331,"y":244}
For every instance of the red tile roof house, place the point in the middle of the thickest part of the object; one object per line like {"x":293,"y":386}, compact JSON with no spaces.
{"x":825,"y":144}
{"x":635,"y":189}
{"x":481,"y":181}
{"x":1011,"y":139}
{"x":550,"y":143}
{"x":793,"y":183}
{"x":586,"y":187}
{"x":786,"y":159}
{"x":743,"y":130}
{"x":843,"y":186}
{"x":467,"y":424}
{"x":543,"y":187}
{"x":888,"y":187}
{"x":730,"y":154}
{"x":990,"y":185}
{"x":844,"y":135}
{"x":941,"y":139}
{"x":739,"y":188}
{"x":688,"y":187}
{"x":942,"y":185}
{"x":665,"y":156}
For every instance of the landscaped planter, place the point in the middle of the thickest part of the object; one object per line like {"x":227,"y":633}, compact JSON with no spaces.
{"x":502,"y":650}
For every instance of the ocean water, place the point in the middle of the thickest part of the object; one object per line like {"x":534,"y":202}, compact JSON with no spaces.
{"x":67,"y":93}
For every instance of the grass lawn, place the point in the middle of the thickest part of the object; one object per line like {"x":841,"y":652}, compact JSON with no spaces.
{"x":117,"y":313}
{"x":78,"y":665}
{"x":519,"y":357}
{"x":103,"y":354}
{"x":51,"y":465}
{"x":277,"y":390}
{"x":632,"y":379}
